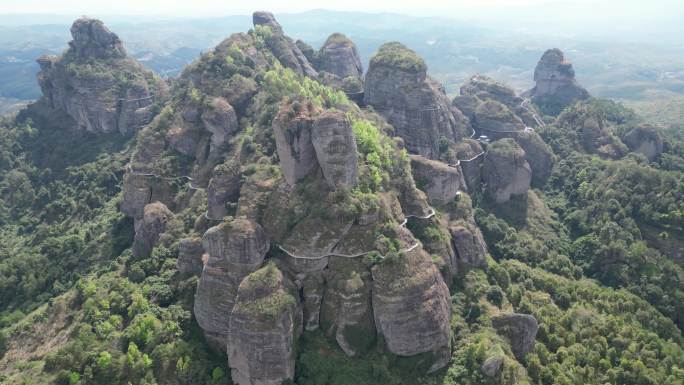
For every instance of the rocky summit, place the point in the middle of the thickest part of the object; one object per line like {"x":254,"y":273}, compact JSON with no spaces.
{"x":97,"y":84}
{"x":555,"y":85}
{"x":398,"y":88}
{"x":283,"y":218}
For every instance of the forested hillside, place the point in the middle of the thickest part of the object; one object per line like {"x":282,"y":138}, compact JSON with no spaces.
{"x":278,"y":215}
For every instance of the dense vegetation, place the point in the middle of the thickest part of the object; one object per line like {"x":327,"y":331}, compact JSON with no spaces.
{"x":589,"y":254}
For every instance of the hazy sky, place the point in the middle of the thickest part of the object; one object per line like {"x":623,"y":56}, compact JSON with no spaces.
{"x":453,"y":8}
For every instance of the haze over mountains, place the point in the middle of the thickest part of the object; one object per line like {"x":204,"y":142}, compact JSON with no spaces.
{"x":637,"y":66}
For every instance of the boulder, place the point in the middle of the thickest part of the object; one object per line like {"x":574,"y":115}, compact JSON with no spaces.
{"x":469,"y":246}
{"x":264,"y":326}
{"x":346,"y":314}
{"x":190,"y":254}
{"x":397,"y":87}
{"x":412,"y":306}
{"x":438,"y":180}
{"x":292,"y":128}
{"x":283,"y":48}
{"x":86,"y":82}
{"x":555,"y":85}
{"x":220,"y":119}
{"x":520,"y":329}
{"x":505,"y":171}
{"x":335,"y":146}
{"x":646,"y":140}
{"x":492,"y":365}
{"x":234,"y":249}
{"x":155,"y":218}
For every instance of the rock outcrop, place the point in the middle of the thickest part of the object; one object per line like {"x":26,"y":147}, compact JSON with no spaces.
{"x":224,"y":187}
{"x":219,"y":119}
{"x":155,"y":218}
{"x":87,"y":82}
{"x":190,"y":254}
{"x":520,"y":329}
{"x":646,"y":140}
{"x":505,"y":171}
{"x":264,"y":326}
{"x":339,"y":65}
{"x":234,"y":249}
{"x":480,"y":88}
{"x":412,"y":307}
{"x":538,"y":154}
{"x":284,"y":49}
{"x":438,"y":180}
{"x":335,"y":146}
{"x":469,"y":246}
{"x":494,"y":117}
{"x":346,"y":313}
{"x":292,"y":129}
{"x":397,"y":86}
{"x":556,"y":87}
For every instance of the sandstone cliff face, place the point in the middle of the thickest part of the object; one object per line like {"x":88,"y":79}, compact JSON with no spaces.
{"x":492,"y":117}
{"x":538,"y":154}
{"x":411,"y":307}
{"x":220,"y":119}
{"x":284,"y":49}
{"x":292,"y":128}
{"x":264,"y":325}
{"x":480,"y":88}
{"x":397,"y":86}
{"x":520,"y":329}
{"x":86,"y":83}
{"x":335,"y":145}
{"x":155,"y":218}
{"x":505,"y":171}
{"x":346,"y":314}
{"x":645,"y":140}
{"x":224,"y":187}
{"x":339,"y":65}
{"x":190,"y":254}
{"x":234,"y":250}
{"x":469,"y":245}
{"x":440,"y":182}
{"x":556,"y":87}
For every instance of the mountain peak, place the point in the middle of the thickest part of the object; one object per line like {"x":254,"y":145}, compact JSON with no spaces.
{"x":91,"y":38}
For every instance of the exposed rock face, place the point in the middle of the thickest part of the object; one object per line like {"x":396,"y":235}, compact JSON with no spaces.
{"x":93,"y":39}
{"x":284,"y":49}
{"x":440,"y":182}
{"x":520,"y":329}
{"x":346,"y":315}
{"x":469,"y":246}
{"x":292,"y":128}
{"x":492,"y":116}
{"x":335,"y":146}
{"x":312,"y":290}
{"x":556,"y":87}
{"x":235,"y":249}
{"x":645,"y":140}
{"x":224,"y":186}
{"x":538,"y":154}
{"x":412,"y":307}
{"x":480,"y":88}
{"x":492,"y":366}
{"x":190,"y":254}
{"x":155,"y":218}
{"x":220,"y":119}
{"x":505,"y":171}
{"x":92,"y":94}
{"x":339,"y":64}
{"x":397,"y":86}
{"x":264,"y":325}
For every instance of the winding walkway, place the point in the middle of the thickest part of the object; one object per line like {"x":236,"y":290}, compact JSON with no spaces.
{"x":536,"y":118}
{"x":361,"y":254}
